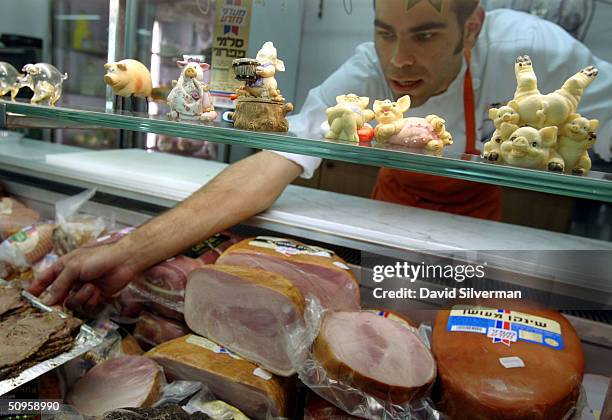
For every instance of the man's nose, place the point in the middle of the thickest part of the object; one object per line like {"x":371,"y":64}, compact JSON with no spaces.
{"x":403,"y":55}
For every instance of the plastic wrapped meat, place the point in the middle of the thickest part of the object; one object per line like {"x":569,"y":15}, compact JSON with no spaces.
{"x":27,"y":246}
{"x":14,"y":216}
{"x":152,"y":330}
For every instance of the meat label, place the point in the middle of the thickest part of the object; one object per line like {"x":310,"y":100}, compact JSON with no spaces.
{"x":289,"y":247}
{"x":210,"y":345}
{"x":505,"y":327}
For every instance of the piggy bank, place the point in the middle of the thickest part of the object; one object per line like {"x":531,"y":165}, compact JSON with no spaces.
{"x":9,"y":80}
{"x":190,"y":97}
{"x":575,"y":138}
{"x":530,"y":148}
{"x":553,"y":109}
{"x":45,"y":80}
{"x":128,"y":77}
{"x":347,"y":117}
{"x":506,"y":122}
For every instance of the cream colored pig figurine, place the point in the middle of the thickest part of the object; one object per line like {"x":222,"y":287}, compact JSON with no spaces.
{"x":9,"y":80}
{"x":128,"y":77}
{"x":533,"y":149}
{"x":576,"y":137}
{"x":554,"y":109}
{"x":347,"y":116}
{"x":506,"y":122}
{"x":266,"y":86}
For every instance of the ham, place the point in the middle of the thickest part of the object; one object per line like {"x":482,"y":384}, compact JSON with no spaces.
{"x":127,"y":381}
{"x":231,"y":379}
{"x":246,"y":310}
{"x":27,"y":246}
{"x":374,"y":354}
{"x":14,"y":216}
{"x":152,"y":330}
{"x":536,"y":373}
{"x":314,"y":271}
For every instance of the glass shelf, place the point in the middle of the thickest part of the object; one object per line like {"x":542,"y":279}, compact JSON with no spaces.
{"x":595,"y":186}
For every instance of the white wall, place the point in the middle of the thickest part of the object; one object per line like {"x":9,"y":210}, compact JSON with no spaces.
{"x":28,"y":18}
{"x":328,"y":42}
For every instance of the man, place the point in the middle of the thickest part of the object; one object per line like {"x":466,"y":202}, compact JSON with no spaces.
{"x":421,"y":49}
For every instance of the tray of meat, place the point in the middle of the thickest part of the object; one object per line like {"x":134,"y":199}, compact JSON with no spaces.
{"x":35,"y":338}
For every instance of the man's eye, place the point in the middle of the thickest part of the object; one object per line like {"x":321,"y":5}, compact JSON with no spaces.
{"x":385,"y":35}
{"x":424,"y":36}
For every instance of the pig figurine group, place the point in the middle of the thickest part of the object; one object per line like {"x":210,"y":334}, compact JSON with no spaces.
{"x":190,"y":97}
{"x":9,"y":80}
{"x":538,"y":131}
{"x":43,"y":79}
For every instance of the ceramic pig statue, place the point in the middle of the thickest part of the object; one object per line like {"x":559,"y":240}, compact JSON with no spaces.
{"x":9,"y":80}
{"x":45,"y":80}
{"x":265,"y":86}
{"x":190,"y":97}
{"x":533,"y":149}
{"x":506,"y":122}
{"x":128,"y":77}
{"x":575,"y":139}
{"x":554,"y":109}
{"x":347,"y":117}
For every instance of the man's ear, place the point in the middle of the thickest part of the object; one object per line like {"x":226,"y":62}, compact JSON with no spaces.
{"x":473,"y":26}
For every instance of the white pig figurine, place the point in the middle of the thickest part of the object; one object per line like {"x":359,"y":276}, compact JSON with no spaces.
{"x":190,"y":97}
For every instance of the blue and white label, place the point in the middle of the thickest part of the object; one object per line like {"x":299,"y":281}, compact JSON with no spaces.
{"x":505,"y":326}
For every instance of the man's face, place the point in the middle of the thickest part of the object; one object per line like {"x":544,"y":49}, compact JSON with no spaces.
{"x":420,"y":48}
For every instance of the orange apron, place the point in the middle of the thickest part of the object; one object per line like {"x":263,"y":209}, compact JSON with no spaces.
{"x":440,"y":193}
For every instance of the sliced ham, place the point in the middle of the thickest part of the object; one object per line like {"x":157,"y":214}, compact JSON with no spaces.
{"x":374,"y":354}
{"x":246,"y":310}
{"x":233,"y":380}
{"x":14,"y":216}
{"x":127,"y":381}
{"x":314,"y":271}
{"x":152,"y":330}
{"x":483,"y":379}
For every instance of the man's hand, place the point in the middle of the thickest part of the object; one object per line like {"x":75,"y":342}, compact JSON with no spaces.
{"x":85,"y":277}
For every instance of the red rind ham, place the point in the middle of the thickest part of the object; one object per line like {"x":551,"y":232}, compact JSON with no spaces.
{"x":475,"y":384}
{"x":312,"y":270}
{"x":376,"y":355}
{"x":127,"y":381}
{"x":152,"y":330}
{"x":246,"y":310}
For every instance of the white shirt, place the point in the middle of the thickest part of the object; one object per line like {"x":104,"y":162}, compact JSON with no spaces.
{"x":506,"y":34}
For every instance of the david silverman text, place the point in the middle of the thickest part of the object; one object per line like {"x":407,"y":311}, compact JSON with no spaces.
{"x":447,"y":293}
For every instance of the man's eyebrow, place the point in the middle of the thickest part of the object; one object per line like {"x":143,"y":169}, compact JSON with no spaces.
{"x":428,"y":26}
{"x":380,"y":24}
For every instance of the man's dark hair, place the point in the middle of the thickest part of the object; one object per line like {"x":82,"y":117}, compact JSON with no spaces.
{"x":463,"y":8}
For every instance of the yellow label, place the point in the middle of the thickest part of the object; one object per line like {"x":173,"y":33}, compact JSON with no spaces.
{"x":210,"y":345}
{"x":531,"y":336}
{"x":6,"y":206}
{"x":514,"y":317}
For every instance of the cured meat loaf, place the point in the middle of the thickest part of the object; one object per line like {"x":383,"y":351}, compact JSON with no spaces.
{"x":533,"y":369}
{"x":313,"y":270}
{"x":27,"y":246}
{"x":152,"y":330}
{"x":127,"y":381}
{"x":14,"y":216}
{"x":374,"y":354}
{"x":246,"y":310}
{"x":233,"y":380}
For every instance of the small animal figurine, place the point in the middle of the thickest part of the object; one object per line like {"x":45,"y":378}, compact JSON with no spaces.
{"x":533,"y":149}
{"x":554,"y":109}
{"x":190,"y":97}
{"x":428,"y":133}
{"x":347,"y":117}
{"x":129,"y":77}
{"x":575,"y":139}
{"x":506,"y":122}
{"x":45,"y":80}
{"x":264,"y":85}
{"x":9,"y":80}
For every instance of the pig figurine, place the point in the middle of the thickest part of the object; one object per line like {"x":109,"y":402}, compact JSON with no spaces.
{"x":45,"y":80}
{"x":530,"y":148}
{"x":266,"y":86}
{"x":506,"y":122}
{"x":554,"y":109}
{"x":423,"y":133}
{"x":190,"y":97}
{"x":576,"y":137}
{"x":129,"y":77}
{"x":347,"y":117}
{"x":9,"y":80}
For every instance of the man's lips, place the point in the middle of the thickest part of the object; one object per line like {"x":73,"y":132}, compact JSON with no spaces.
{"x":406,"y":85}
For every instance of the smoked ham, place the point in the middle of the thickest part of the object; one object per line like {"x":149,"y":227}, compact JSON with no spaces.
{"x":233,"y":380}
{"x":313,"y":270}
{"x":127,"y":381}
{"x":14,"y":216}
{"x":152,"y":330}
{"x":374,"y":354}
{"x":246,"y":310}
{"x":533,"y":369}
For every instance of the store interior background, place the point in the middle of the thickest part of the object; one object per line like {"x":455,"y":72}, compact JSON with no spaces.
{"x":317,"y":38}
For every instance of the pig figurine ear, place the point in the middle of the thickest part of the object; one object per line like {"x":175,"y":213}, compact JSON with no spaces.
{"x":280,"y":65}
{"x":514,"y":105}
{"x":204,"y":66}
{"x":108,"y":66}
{"x":340,"y":99}
{"x":594,"y":124}
{"x":404,"y":103}
{"x":181,"y":64}
{"x":493,"y":113}
{"x":364,"y":101}
{"x":549,"y":136}
{"x":122,"y":66}
{"x":377,"y":106}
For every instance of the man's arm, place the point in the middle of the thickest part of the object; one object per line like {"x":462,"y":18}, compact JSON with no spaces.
{"x":239,"y":192}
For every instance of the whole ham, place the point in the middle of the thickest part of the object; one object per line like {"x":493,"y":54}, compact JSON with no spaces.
{"x":127,"y":381}
{"x":376,"y":355}
{"x":313,"y":270}
{"x":14,"y":216}
{"x":507,"y":364}
{"x":152,"y":330}
{"x":246,"y":310}
{"x":232,"y":379}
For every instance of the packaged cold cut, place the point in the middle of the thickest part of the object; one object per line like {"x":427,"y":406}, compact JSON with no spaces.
{"x":152,"y":330}
{"x":14,"y":216}
{"x":27,"y":246}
